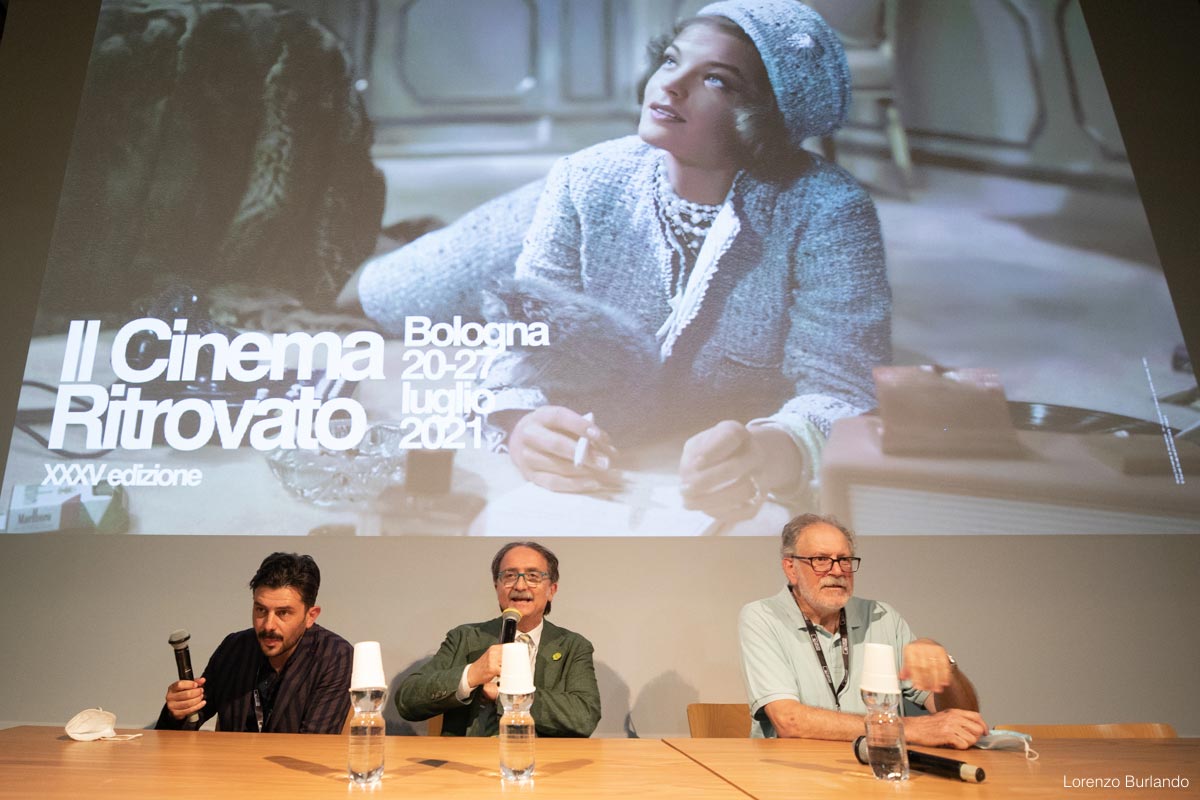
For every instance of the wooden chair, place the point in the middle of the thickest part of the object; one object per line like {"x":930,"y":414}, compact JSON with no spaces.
{"x":867,"y":29}
{"x":718,"y":720}
{"x":434,"y":726}
{"x":1107,"y":730}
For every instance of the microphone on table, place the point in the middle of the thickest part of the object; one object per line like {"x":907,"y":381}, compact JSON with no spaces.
{"x":508,"y":625}
{"x":934,"y":765}
{"x":183,"y":661}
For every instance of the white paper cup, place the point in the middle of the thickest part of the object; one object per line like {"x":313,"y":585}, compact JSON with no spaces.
{"x":879,"y":669}
{"x":516,"y":673}
{"x":368,"y":667}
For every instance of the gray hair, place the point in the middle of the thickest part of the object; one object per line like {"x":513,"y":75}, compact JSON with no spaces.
{"x":797,"y":526}
{"x":542,"y":550}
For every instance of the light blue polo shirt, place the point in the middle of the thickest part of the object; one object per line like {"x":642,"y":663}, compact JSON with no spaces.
{"x":779,"y":663}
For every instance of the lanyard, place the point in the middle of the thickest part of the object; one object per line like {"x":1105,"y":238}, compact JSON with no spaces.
{"x":258,"y":710}
{"x":264,"y":701}
{"x":812,"y":635}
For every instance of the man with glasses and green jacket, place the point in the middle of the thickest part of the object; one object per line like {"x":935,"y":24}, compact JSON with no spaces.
{"x":802,"y":651}
{"x":460,"y":681}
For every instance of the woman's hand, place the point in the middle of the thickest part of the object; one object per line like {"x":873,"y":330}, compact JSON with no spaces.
{"x":719,"y":472}
{"x":543,"y":446}
{"x":726,"y":470}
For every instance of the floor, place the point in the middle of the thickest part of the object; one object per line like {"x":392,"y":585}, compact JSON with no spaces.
{"x":1058,"y":289}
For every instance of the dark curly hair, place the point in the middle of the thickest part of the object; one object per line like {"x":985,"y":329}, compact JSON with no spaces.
{"x":288,"y":569}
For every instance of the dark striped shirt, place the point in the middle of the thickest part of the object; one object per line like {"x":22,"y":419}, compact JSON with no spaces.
{"x":313,"y":694}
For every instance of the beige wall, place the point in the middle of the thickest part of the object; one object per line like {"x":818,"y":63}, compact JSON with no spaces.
{"x":1069,"y":628}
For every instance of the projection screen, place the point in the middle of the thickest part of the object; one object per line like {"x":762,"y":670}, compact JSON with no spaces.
{"x":287,"y":289}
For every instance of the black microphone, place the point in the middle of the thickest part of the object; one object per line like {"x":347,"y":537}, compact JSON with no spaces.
{"x":508,"y":625}
{"x":183,"y":661}
{"x":934,"y":765}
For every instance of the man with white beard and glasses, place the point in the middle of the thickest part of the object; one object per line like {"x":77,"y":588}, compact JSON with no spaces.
{"x":802,"y":651}
{"x":460,"y":681}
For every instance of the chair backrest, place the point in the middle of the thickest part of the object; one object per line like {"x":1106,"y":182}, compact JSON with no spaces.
{"x":718,"y":720}
{"x":860,"y":23}
{"x":433,"y":726}
{"x":1107,"y":730}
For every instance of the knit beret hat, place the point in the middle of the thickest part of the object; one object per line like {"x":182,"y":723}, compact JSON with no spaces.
{"x":804,"y":59}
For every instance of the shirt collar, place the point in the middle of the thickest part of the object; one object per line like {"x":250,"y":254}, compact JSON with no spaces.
{"x":786,"y":603}
{"x":536,"y":634}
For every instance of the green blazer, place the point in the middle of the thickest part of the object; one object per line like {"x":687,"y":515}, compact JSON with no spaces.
{"x":566,"y":703}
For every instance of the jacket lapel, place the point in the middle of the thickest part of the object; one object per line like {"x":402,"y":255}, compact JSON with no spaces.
{"x":547,"y":668}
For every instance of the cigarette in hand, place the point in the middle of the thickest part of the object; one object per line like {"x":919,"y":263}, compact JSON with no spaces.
{"x":581,"y":446}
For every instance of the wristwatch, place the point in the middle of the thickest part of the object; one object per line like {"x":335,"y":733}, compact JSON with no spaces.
{"x":953,"y":663}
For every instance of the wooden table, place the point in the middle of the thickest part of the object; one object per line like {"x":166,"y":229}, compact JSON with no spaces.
{"x":44,"y":762}
{"x":776,"y":768}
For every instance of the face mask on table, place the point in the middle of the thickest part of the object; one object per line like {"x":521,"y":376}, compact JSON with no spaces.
{"x":96,"y":723}
{"x":1007,"y":740}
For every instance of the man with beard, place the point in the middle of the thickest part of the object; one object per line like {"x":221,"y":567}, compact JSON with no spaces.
{"x":802,"y":651}
{"x":286,"y":674}
{"x":459,"y":682}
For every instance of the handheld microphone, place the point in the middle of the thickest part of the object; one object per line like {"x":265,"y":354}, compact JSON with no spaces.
{"x":508,"y":625}
{"x":934,"y":765}
{"x":183,"y":661}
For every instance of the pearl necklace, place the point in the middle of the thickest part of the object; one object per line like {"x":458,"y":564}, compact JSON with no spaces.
{"x":690,"y":222}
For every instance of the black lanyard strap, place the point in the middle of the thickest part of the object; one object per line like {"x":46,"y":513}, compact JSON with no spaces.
{"x":812,"y":635}
{"x":260,"y":715}
{"x":265,"y":689}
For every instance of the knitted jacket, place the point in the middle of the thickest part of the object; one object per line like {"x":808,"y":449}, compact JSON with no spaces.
{"x":797,"y":311}
{"x":796,"y":315}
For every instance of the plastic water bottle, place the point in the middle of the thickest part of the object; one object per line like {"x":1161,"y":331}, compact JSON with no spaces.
{"x":887,"y":752}
{"x":365,"y":761}
{"x":516,"y":738}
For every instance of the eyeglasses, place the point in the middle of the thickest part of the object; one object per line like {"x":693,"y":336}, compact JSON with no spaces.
{"x":823,"y":564}
{"x":510,"y":576}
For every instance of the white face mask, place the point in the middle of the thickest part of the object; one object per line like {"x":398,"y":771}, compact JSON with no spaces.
{"x":95,"y":723}
{"x":1008,"y":740}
